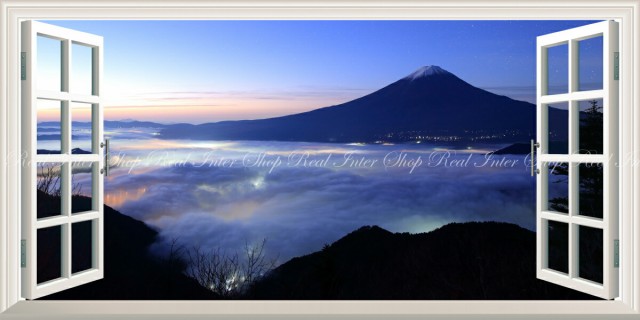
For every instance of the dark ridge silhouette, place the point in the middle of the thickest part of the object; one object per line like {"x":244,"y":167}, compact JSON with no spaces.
{"x":425,"y":105}
{"x":73,"y":151}
{"x":525,"y":148}
{"x":132,"y":124}
{"x":460,"y":261}
{"x":131,"y":272}
{"x":52,"y":137}
{"x":55,"y":125}
{"x":516,"y":148}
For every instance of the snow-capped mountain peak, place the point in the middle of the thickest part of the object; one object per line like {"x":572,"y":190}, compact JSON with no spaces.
{"x":426,"y":71}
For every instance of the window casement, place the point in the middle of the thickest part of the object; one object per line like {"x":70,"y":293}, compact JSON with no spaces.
{"x":62,"y":239}
{"x":577,"y":134}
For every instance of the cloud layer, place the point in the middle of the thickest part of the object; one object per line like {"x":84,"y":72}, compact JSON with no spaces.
{"x":299,"y":208}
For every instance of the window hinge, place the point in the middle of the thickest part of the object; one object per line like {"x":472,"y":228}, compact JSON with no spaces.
{"x":23,"y":65}
{"x":23,"y":253}
{"x":616,"y":66}
{"x":616,"y":253}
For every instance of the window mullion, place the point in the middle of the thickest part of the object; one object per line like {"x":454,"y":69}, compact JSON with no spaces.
{"x":573,"y":211}
{"x":573,"y":66}
{"x":65,"y":250}
{"x":574,"y":254}
{"x":68,"y":172}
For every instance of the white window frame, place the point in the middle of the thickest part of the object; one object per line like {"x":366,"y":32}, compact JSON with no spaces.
{"x":30,"y":223}
{"x":608,"y":30}
{"x":12,"y":12}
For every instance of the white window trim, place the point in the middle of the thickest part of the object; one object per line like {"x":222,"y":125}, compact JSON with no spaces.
{"x":12,"y":12}
{"x":65,"y":98}
{"x":608,"y":30}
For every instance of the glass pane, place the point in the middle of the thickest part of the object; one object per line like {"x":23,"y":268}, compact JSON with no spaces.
{"x":49,"y":254}
{"x":558,"y":242}
{"x":558,"y":188}
{"x":81,"y":126}
{"x":81,"y":246}
{"x":81,"y":69}
{"x":558,"y":69}
{"x":590,"y":254}
{"x":591,"y":136}
{"x":82,"y":187}
{"x":49,"y":64}
{"x":49,"y":201}
{"x":591,"y":190}
{"x":558,"y":135}
{"x":48,"y":114}
{"x":590,"y":62}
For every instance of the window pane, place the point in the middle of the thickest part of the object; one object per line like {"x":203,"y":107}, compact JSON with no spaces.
{"x":591,"y":138}
{"x":82,"y":187}
{"x":591,"y":190}
{"x":49,"y":64}
{"x":48,"y":126}
{"x":590,"y":254}
{"x":81,"y":69}
{"x":81,"y":126}
{"x":590,"y":64}
{"x":49,"y":254}
{"x":81,"y":246}
{"x":558,"y":242}
{"x":558,"y":135}
{"x":558,"y":69}
{"x":49,"y":201}
{"x":558,"y":189}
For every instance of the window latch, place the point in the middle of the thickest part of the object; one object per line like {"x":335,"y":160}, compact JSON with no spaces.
{"x":534,"y":146}
{"x":107,"y":157}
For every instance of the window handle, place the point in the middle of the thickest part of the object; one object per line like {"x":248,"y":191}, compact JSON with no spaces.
{"x":534,"y":170}
{"x":107,"y":157}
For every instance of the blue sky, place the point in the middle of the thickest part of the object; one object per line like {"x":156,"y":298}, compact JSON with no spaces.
{"x":204,"y":71}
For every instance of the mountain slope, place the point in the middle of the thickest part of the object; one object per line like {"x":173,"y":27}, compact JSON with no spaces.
{"x":429,"y":102}
{"x":130,"y":270}
{"x":472,"y":260}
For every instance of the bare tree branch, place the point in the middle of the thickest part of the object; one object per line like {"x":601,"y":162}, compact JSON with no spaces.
{"x":225,"y":273}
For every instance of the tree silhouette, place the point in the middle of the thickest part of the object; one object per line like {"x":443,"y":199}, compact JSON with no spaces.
{"x":230,"y":275}
{"x":590,"y":174}
{"x":590,"y":200}
{"x":591,"y":138}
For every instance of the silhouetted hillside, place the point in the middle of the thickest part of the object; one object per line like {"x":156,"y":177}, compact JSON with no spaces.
{"x":55,"y":125}
{"x":130,"y":271}
{"x":73,"y":151}
{"x":516,"y":148}
{"x":525,"y":148}
{"x":474,"y":260}
{"x":487,"y":260}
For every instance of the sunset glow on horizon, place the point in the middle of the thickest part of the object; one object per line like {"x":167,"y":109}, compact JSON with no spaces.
{"x":204,"y":107}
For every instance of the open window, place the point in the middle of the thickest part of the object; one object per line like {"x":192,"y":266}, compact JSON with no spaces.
{"x":62,"y":223}
{"x":576,"y":197}
{"x":10,"y":236}
{"x":577,"y":181}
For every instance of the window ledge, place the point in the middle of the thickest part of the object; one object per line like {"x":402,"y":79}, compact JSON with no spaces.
{"x":257,"y":308}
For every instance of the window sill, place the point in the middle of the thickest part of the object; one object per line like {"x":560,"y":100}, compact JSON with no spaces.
{"x":253,"y":309}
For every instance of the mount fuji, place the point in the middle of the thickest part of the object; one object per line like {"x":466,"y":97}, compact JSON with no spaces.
{"x":431,"y":103}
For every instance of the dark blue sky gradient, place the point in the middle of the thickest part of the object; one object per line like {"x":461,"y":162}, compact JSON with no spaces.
{"x":325,"y":57}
